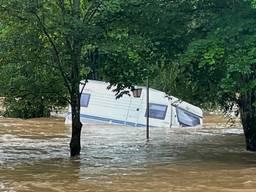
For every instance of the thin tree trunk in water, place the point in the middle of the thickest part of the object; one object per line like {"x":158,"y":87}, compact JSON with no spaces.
{"x":75,"y":54}
{"x":75,"y":143}
{"x":248,"y":118}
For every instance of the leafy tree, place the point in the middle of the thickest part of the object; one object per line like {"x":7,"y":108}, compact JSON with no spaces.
{"x":30,"y":87}
{"x":163,"y":29}
{"x":218,"y":68}
{"x":63,"y":36}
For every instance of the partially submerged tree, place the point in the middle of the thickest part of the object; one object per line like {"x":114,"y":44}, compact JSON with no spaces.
{"x":66,"y":32}
{"x":219,"y":67}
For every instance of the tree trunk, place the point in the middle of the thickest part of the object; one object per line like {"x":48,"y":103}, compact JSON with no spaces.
{"x":248,"y":118}
{"x":75,"y":143}
{"x":75,"y":56}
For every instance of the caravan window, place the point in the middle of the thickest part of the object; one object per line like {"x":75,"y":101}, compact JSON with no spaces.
{"x":85,"y":98}
{"x":157,"y":111}
{"x":186,"y":118}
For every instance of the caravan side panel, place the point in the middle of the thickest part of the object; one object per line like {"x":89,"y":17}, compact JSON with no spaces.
{"x":98,"y":104}
{"x":104,"y":107}
{"x":159,"y":109}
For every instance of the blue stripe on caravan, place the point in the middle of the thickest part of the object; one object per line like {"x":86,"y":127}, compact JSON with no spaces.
{"x":115,"y":121}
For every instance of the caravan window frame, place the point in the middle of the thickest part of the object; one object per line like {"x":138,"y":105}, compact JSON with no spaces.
{"x":86,"y":103}
{"x":189,"y":114}
{"x":155,"y":117}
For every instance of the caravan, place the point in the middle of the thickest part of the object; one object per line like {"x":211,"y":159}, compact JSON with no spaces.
{"x":99,"y":105}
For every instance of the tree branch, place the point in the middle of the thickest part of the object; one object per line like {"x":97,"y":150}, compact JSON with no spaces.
{"x":91,"y":12}
{"x":63,"y":11}
{"x":66,"y":80}
{"x":81,"y":92}
{"x":24,"y":92}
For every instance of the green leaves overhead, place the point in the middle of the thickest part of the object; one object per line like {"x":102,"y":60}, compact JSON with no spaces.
{"x":192,"y":49}
{"x":65,"y":41}
{"x":222,"y":61}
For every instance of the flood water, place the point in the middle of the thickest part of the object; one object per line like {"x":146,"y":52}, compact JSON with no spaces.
{"x":34,"y":156}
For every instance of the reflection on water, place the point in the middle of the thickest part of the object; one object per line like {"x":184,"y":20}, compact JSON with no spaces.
{"x":34,"y":156}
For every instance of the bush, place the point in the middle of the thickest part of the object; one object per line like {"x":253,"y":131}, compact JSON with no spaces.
{"x":26,"y":108}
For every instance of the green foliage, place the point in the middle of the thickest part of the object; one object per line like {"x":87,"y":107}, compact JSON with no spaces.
{"x":60,"y":42}
{"x":28,"y":82}
{"x":201,"y":51}
{"x":219,"y":66}
{"x":26,"y":108}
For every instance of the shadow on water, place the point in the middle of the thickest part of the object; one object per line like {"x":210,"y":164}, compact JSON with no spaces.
{"x":34,"y":157}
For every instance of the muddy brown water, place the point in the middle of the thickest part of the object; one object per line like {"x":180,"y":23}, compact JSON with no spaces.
{"x":34,"y":156}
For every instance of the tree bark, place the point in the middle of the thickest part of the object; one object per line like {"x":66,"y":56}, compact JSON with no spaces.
{"x":75,"y":143}
{"x":248,"y":118}
{"x":75,"y":55}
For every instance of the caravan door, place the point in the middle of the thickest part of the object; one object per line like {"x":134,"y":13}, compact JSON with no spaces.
{"x":134,"y":112}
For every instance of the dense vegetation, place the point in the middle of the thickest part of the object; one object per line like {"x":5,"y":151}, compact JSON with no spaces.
{"x":200,"y":50}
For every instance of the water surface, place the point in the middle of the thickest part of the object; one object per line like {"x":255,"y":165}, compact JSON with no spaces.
{"x":34,"y":156}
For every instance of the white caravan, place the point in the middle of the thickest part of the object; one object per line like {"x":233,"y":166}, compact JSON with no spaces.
{"x":99,"y":105}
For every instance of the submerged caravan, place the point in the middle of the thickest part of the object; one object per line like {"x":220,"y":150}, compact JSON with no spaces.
{"x":99,"y":105}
